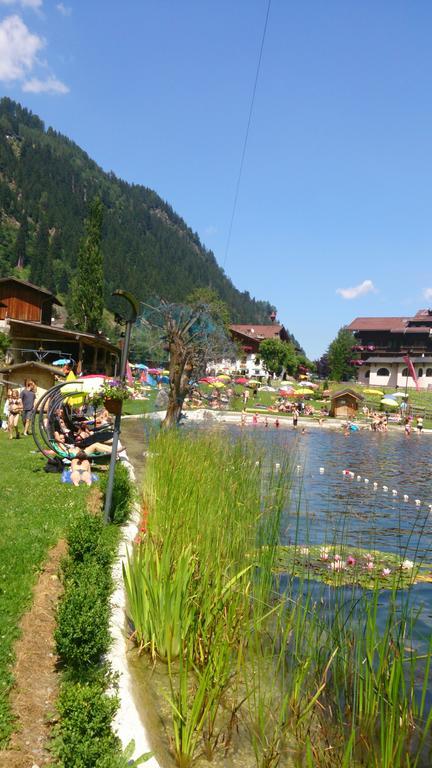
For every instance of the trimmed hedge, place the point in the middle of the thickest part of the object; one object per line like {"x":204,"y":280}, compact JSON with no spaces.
{"x":123,"y":493}
{"x":83,"y":736}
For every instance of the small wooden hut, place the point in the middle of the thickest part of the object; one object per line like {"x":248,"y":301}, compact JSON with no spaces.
{"x":16,"y":376}
{"x":345,"y":403}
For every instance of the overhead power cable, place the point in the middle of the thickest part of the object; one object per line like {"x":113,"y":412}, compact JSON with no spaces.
{"x":243,"y":154}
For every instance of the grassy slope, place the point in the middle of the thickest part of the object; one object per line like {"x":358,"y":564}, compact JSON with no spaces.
{"x":34,"y":512}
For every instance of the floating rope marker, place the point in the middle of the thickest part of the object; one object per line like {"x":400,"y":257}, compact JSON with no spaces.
{"x":394,"y":492}
{"x":358,"y":478}
{"x":321,"y":470}
{"x":366,"y":480}
{"x":418,"y":502}
{"x":385,"y":488}
{"x":277,"y":466}
{"x":375,"y":486}
{"x":406,"y":497}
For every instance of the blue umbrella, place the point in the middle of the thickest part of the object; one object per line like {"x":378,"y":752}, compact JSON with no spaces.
{"x":63,"y":361}
{"x":141,"y":366}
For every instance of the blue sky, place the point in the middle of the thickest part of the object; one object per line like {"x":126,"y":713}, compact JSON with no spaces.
{"x":337,"y":180}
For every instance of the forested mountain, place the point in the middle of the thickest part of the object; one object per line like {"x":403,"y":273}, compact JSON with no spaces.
{"x":46,"y":185}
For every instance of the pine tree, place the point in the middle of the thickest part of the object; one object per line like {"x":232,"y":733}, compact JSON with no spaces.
{"x":88,"y":285}
{"x":40,"y":255}
{"x":20,"y":255}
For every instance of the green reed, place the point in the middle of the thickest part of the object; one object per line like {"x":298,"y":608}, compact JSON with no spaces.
{"x":256,"y":655}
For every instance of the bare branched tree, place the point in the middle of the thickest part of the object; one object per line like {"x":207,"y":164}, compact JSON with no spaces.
{"x":192,"y":337}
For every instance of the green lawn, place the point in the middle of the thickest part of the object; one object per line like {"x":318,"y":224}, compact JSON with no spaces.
{"x":138,"y":407}
{"x":35,"y":510}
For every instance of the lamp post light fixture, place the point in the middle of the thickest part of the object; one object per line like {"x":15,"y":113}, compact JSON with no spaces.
{"x":133,"y":303}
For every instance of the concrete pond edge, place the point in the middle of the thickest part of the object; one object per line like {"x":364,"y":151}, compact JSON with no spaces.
{"x":128,"y":723}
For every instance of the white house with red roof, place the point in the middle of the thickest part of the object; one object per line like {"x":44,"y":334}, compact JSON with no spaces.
{"x":382,"y":343}
{"x":248,"y":337}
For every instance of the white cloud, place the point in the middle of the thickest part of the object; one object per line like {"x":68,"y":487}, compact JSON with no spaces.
{"x":18,"y":49}
{"x":35,"y":4}
{"x":65,"y":10}
{"x":427,"y":293}
{"x":49,"y":85}
{"x":366,"y":286}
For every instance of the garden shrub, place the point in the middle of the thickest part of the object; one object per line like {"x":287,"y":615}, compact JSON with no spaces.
{"x":82,"y":633}
{"x":84,"y":738}
{"x":123,"y":493}
{"x":86,"y":539}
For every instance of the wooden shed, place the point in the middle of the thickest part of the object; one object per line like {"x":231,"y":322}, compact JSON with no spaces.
{"x":345,"y":403}
{"x":16,"y":376}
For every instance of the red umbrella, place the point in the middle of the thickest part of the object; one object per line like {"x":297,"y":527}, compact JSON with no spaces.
{"x":241,"y":380}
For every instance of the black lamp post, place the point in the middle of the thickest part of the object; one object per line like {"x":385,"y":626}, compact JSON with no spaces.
{"x":125,"y":353}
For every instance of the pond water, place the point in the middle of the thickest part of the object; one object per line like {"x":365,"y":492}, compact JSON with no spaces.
{"x":328,"y":507}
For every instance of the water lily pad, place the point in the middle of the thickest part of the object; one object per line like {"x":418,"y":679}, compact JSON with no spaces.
{"x":344,"y":566}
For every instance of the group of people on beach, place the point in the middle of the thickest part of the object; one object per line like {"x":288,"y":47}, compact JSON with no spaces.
{"x":19,"y":405}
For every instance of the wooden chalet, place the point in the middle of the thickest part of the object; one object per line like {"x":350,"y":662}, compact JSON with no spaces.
{"x":249,"y":337}
{"x":382,"y":345}
{"x":26,"y":314}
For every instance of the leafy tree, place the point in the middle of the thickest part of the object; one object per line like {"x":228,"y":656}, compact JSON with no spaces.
{"x":278,"y":356}
{"x":322,"y":367}
{"x":304,"y":363}
{"x":339,"y":355}
{"x":191,"y":338}
{"x":210,"y":299}
{"x":88,"y":285}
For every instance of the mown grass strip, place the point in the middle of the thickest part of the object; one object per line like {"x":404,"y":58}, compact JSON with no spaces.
{"x":35,"y":510}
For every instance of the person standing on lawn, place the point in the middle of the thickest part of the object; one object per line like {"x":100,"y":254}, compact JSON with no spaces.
{"x":28,"y":397}
{"x":15,"y":408}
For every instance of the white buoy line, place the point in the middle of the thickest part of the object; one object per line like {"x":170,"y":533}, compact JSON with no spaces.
{"x":347,"y":473}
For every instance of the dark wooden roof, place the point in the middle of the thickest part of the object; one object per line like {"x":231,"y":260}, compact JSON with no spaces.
{"x":32,"y":287}
{"x":345,"y":392}
{"x":378,"y":324}
{"x":257,"y":332}
{"x":56,"y":332}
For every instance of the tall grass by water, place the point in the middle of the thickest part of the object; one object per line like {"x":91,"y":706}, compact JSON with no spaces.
{"x":264,"y":669}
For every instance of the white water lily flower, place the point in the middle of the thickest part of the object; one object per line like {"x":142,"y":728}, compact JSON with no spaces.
{"x":324,"y":555}
{"x":338,"y":565}
{"x":304,"y":550}
{"x":407,"y":565}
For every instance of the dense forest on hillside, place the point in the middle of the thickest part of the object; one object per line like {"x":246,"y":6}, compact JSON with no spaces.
{"x":46,"y":185}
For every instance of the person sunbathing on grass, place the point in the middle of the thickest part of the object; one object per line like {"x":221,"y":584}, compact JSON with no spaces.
{"x":80,"y":469}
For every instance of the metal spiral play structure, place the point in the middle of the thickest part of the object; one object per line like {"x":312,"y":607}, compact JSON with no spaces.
{"x":62,"y":405}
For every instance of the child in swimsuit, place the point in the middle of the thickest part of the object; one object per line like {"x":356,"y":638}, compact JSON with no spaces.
{"x":80,"y":469}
